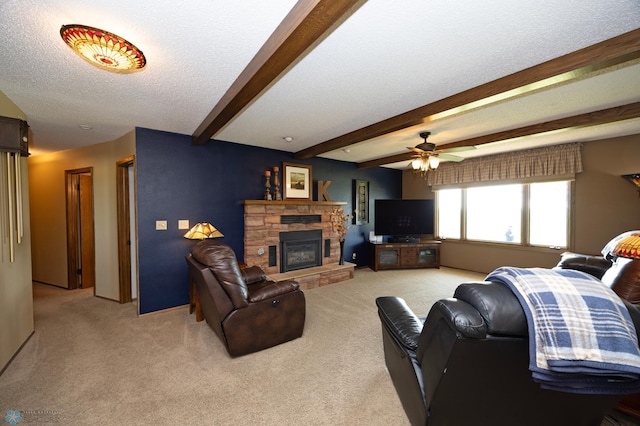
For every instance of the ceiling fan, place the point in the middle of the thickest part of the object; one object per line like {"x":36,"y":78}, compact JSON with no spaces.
{"x":427,"y":157}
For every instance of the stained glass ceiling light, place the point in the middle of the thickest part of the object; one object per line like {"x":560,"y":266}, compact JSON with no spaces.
{"x":103,"y":49}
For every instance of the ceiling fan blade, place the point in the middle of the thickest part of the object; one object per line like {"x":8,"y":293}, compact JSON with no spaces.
{"x":457,"y":149}
{"x":450,"y":157}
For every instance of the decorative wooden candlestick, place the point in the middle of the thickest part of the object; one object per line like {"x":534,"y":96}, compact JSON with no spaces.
{"x":276,"y":184}
{"x":267,"y":185}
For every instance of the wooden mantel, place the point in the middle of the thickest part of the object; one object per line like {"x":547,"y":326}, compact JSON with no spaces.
{"x":293,"y":202}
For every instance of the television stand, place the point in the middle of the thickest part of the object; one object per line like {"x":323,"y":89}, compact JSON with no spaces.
{"x":425,"y":254}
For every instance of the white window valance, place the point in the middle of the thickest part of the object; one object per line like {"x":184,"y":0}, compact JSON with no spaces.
{"x":556,"y":160}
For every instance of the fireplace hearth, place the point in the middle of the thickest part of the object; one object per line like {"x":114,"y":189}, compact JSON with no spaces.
{"x":300,"y":249}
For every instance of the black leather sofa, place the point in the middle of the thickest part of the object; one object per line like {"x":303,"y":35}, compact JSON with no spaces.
{"x":467,"y":364}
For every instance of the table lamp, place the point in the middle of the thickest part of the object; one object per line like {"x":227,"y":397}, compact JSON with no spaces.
{"x":201,"y":231}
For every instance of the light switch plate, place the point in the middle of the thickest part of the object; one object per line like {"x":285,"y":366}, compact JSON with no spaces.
{"x":161,"y":225}
{"x":183,"y":224}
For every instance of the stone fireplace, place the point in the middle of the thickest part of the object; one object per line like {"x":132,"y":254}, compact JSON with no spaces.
{"x":265,"y":221}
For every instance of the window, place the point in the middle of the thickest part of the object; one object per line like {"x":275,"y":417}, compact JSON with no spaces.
{"x":494,"y":212}
{"x":534,"y":214}
{"x":449,"y":207}
{"x":549,"y":214}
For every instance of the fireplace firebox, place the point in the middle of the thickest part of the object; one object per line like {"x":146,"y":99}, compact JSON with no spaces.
{"x":300,"y":249}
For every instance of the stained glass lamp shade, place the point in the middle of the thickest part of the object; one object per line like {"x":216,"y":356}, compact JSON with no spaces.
{"x":103,"y":49}
{"x":629,"y":246}
{"x":203,"y":230}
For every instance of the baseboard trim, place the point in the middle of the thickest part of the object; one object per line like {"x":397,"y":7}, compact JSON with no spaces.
{"x":104,"y":297}
{"x":50,"y":284}
{"x":164,"y":311}
{"x":17,"y":352}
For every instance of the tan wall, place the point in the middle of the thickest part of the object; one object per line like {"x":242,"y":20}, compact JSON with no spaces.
{"x":16,"y":295}
{"x":415,"y":187}
{"x":605,"y":206}
{"x":48,"y":217}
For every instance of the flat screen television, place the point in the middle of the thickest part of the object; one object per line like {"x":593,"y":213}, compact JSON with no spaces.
{"x":404,"y":220}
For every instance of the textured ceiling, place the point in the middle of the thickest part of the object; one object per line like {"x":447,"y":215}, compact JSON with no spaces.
{"x":383,"y":59}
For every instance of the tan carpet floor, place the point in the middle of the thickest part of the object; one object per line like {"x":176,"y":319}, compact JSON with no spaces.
{"x":94,"y":362}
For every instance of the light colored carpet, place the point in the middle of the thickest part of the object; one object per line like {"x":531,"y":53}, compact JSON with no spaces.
{"x":93,"y":362}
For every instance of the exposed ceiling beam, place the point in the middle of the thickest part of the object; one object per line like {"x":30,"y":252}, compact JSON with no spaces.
{"x":617,"y":50}
{"x":609,"y":115}
{"x":300,"y":29}
{"x":405,"y":156}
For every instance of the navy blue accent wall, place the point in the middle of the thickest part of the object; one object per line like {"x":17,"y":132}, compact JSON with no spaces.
{"x":176,"y":180}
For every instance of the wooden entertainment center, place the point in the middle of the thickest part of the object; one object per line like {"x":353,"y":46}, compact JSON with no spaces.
{"x":424,"y":254}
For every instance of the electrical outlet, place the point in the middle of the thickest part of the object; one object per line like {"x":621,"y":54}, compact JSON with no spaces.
{"x":161,"y":225}
{"x":353,"y":256}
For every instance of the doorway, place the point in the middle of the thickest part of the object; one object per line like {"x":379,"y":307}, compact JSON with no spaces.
{"x":127,"y":258}
{"x":81,"y":262}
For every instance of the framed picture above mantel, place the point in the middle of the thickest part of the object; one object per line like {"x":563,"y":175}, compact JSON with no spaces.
{"x":297,"y":181}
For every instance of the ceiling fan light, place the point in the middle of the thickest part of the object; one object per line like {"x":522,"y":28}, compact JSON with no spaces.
{"x":416,"y":164}
{"x":434,"y":162}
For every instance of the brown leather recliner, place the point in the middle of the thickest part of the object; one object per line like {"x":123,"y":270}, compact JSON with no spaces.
{"x":620,"y":274}
{"x":246,"y":310}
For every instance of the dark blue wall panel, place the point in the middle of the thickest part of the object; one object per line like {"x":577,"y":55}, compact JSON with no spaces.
{"x":176,"y":180}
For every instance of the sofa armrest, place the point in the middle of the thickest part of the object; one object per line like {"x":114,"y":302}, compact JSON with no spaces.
{"x":592,"y":265}
{"x":447,"y":321}
{"x":400,"y":321}
{"x":461,"y":317}
{"x":270,"y":289}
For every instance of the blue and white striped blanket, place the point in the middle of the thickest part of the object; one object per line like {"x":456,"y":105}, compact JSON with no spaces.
{"x":582,"y":339}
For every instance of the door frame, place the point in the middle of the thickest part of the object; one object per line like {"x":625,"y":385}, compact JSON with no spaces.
{"x":123,"y":206}
{"x":72,"y":201}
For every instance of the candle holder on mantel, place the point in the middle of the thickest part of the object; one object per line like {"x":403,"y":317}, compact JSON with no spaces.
{"x":276,"y":184}
{"x":267,"y":185}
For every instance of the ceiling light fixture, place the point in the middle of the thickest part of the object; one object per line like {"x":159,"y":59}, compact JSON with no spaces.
{"x":103,"y":49}
{"x":425,"y":163}
{"x":427,"y":156}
